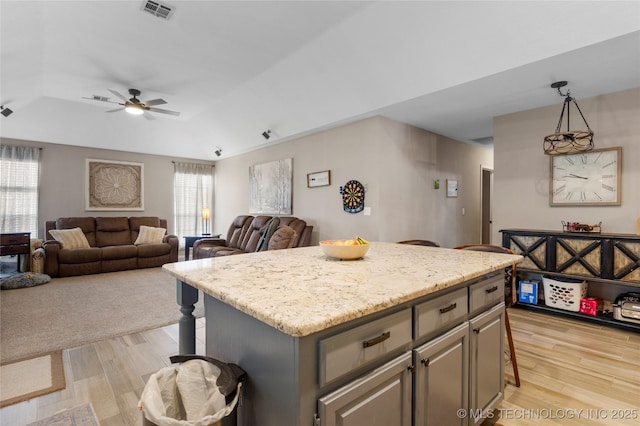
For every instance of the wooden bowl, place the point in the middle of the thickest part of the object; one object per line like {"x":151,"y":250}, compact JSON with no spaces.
{"x":343,"y":252}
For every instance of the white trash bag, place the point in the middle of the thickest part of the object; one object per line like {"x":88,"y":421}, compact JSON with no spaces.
{"x":193,"y":393}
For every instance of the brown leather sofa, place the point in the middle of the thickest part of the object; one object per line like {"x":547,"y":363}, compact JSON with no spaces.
{"x":245,"y":233}
{"x":112,"y":248}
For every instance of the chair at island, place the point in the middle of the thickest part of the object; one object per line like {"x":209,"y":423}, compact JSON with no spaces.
{"x":511,"y":276}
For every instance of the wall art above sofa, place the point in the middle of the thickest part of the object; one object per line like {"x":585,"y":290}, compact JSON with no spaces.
{"x":114,"y":185}
{"x":270,"y":187}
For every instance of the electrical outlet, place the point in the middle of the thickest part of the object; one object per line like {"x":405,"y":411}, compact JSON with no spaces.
{"x":367,"y":211}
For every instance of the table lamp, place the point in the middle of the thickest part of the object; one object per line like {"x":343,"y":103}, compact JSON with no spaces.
{"x":205,"y":220}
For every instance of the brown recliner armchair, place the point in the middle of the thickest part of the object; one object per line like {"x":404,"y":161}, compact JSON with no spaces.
{"x":245,"y":235}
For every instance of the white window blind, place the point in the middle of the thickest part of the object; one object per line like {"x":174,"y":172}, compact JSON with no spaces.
{"x":20,"y":181}
{"x":193,"y":191}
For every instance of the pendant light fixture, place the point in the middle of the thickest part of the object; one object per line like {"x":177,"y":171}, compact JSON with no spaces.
{"x":570,"y":141}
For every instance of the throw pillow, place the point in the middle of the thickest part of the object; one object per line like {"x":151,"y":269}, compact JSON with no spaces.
{"x":70,"y":238}
{"x":150,"y":235}
{"x":266,"y":232}
{"x":283,"y":238}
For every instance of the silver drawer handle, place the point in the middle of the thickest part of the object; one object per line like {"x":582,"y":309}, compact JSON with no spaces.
{"x":492,"y":289}
{"x":381,"y":338}
{"x":451,"y":307}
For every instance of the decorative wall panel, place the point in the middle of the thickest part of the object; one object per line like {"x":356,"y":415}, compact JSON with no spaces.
{"x":270,"y":187}
{"x":114,"y":185}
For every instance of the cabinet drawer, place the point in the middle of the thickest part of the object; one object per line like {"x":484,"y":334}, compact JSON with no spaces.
{"x":445,"y":310}
{"x":10,"y":239}
{"x":14,"y":249}
{"x":486,"y":293}
{"x":354,"y":348}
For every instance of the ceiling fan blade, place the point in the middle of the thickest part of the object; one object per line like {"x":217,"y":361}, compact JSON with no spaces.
{"x":100,"y":99}
{"x":154,"y":102}
{"x":118,"y":94}
{"x":148,"y":116}
{"x":115,"y":110}
{"x":163,"y":111}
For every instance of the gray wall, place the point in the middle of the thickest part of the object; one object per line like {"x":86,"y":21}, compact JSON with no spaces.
{"x":521,"y":181}
{"x":396,"y":163}
{"x":62,"y":186}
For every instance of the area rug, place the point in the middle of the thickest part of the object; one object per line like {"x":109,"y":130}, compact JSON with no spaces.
{"x":28,"y":378}
{"x":74,"y":311}
{"x":82,"y":415}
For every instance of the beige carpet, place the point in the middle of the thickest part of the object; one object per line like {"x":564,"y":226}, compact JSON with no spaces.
{"x":69,"y":312}
{"x":28,"y":378}
{"x":77,"y":416}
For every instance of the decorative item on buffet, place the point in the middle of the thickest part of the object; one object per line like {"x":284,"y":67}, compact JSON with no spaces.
{"x":581,"y":227}
{"x":627,"y":307}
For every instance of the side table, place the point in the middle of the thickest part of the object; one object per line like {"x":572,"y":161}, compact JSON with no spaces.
{"x":17,"y":243}
{"x":190,"y":239}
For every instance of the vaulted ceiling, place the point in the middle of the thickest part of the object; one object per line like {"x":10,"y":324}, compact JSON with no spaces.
{"x":234,"y":69}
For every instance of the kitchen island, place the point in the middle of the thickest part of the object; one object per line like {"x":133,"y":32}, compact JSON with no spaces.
{"x":320,"y":337}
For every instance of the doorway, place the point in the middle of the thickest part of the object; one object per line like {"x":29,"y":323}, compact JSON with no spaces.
{"x":486,"y":217}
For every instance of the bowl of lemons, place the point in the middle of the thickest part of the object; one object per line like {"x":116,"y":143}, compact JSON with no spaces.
{"x":345,"y":249}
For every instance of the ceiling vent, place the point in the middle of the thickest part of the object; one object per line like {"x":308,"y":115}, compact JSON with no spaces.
{"x":161,"y":10}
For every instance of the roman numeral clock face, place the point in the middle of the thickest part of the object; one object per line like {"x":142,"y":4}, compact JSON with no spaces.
{"x":589,"y":178}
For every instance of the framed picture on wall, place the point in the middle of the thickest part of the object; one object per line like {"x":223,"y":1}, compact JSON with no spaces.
{"x":270,"y":187}
{"x":114,"y":185}
{"x":319,"y":179}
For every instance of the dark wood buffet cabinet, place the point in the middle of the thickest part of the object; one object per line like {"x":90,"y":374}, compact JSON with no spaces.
{"x":17,"y":243}
{"x":610,"y":263}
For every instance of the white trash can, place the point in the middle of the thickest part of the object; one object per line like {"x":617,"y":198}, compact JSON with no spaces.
{"x":200,"y":391}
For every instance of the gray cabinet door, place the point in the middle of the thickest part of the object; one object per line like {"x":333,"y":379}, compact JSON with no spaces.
{"x":486,"y":363}
{"x":382,"y":397}
{"x":441,"y":380}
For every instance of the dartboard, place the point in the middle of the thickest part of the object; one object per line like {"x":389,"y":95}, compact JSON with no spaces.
{"x":353,"y":197}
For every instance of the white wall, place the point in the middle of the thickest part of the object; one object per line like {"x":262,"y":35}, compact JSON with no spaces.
{"x":396,"y":162}
{"x":521,"y":180}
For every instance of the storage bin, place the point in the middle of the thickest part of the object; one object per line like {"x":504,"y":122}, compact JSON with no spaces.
{"x":564,"y":293}
{"x":528,"y":292}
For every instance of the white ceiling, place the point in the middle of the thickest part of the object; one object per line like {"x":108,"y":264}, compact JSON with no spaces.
{"x":237,"y":68}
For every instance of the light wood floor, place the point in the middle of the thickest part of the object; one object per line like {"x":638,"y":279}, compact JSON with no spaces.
{"x":565,"y":366}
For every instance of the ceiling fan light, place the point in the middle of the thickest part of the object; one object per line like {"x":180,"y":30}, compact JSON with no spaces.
{"x":134,"y":109}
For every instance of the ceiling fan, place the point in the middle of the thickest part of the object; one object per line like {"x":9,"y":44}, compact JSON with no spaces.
{"x":134,"y":105}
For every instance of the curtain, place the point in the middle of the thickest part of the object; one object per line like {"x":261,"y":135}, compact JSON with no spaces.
{"x":20,"y":181}
{"x":193,"y":192}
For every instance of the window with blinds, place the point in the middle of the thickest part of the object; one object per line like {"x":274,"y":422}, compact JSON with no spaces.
{"x":193,"y":191}
{"x":20,"y":182}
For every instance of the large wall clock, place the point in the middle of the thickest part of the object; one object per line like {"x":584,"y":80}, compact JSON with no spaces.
{"x":586,"y":179}
{"x":353,"y":197}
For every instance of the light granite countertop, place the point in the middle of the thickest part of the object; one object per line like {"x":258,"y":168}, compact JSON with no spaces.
{"x":301,"y":291}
